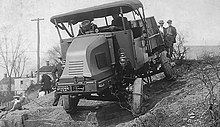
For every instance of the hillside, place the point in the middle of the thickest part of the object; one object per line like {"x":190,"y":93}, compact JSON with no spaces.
{"x":179,"y":103}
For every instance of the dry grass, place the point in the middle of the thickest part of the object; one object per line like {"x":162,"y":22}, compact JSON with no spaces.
{"x":188,"y":106}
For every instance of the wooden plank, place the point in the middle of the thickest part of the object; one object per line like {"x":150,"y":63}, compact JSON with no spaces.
{"x":137,"y":95}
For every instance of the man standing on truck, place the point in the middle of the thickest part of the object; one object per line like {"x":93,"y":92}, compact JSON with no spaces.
{"x":170,"y":37}
{"x":117,"y":23}
{"x":162,"y":29}
{"x":56,"y":73}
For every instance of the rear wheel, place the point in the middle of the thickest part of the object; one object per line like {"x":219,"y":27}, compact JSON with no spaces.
{"x":168,"y":69}
{"x":70,"y":103}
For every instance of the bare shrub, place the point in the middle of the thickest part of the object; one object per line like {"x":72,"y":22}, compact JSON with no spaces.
{"x":208,"y":74}
{"x":180,"y":50}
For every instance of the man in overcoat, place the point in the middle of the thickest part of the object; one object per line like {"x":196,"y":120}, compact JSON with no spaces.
{"x":170,"y":37}
{"x":56,"y":73}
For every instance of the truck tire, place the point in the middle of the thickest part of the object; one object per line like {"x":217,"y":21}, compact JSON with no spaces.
{"x":70,"y":103}
{"x":137,"y":95}
{"x":168,"y":69}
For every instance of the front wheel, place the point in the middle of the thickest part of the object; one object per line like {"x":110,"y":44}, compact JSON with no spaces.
{"x":70,"y":103}
{"x":168,"y":69}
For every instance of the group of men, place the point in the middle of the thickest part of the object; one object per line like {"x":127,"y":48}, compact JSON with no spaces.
{"x":168,"y":35}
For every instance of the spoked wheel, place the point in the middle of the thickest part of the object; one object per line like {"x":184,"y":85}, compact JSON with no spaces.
{"x":70,"y":103}
{"x":168,"y":69}
{"x":137,"y":95}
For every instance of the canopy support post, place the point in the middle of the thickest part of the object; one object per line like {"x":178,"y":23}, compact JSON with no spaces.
{"x":66,"y":30}
{"x":56,"y":25}
{"x":123,"y":21}
{"x":71,"y":27}
{"x":106,"y":21}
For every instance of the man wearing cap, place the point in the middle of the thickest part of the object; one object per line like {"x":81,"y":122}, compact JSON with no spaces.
{"x":17,"y":102}
{"x":161,"y":28}
{"x":87,"y":27}
{"x":56,"y":73}
{"x":170,"y":37}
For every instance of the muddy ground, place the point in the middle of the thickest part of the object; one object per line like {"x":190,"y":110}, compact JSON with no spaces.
{"x":177,"y":103}
{"x":102,"y":113}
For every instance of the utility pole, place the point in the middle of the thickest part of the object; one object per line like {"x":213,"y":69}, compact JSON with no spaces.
{"x":38,"y":47}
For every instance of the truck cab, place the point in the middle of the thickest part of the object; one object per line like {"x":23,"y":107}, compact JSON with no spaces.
{"x":107,"y":60}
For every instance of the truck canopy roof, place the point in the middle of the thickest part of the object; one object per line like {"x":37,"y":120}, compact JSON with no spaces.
{"x":97,"y":11}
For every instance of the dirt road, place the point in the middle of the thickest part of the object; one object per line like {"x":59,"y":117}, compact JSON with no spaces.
{"x":94,"y":113}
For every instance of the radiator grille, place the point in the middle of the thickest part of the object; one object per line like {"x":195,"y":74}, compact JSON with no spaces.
{"x":76,"y":68}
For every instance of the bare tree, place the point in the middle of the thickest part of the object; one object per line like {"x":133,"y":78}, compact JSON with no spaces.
{"x":20,"y":66}
{"x":12,"y":55}
{"x":53,"y":53}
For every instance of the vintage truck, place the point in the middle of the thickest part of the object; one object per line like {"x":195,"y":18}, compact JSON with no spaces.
{"x":110,"y":64}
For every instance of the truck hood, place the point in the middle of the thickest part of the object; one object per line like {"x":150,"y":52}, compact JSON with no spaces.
{"x":77,"y":64}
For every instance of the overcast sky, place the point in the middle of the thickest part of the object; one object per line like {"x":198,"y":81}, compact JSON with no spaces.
{"x":197,"y":19}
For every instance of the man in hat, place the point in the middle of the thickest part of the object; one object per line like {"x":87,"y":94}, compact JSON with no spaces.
{"x":87,"y":27}
{"x":16,"y":106}
{"x":46,"y":83}
{"x":170,"y":37}
{"x":56,"y":73}
{"x":162,"y":29}
{"x":117,"y":23}
{"x":17,"y":102}
{"x":57,"y":70}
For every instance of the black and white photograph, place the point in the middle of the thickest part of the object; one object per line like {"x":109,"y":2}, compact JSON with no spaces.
{"x":109,"y":63}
